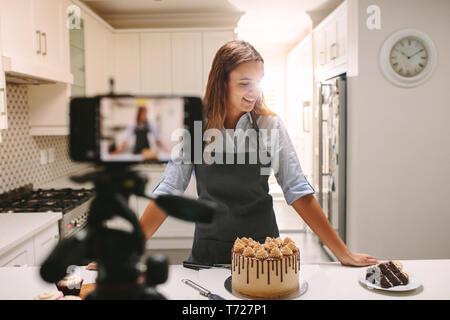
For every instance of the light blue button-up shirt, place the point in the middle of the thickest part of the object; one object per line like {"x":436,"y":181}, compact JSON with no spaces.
{"x":288,"y":171}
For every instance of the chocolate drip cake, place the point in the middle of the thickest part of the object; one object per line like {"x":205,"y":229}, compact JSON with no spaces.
{"x":387,"y":274}
{"x":268,"y":270}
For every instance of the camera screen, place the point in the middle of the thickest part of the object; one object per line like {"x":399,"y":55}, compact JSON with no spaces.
{"x":134,"y":129}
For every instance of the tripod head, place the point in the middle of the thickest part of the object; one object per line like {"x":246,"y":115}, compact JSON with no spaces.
{"x":121,"y":275}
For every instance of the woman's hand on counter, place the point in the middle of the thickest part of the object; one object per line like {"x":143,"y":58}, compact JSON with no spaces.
{"x":358,"y":260}
{"x":311,"y":212}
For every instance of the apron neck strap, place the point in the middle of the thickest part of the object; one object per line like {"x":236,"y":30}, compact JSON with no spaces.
{"x":254,"y":124}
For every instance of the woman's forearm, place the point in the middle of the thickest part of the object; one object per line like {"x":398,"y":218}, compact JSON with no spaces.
{"x":152,"y":219}
{"x":311,"y":212}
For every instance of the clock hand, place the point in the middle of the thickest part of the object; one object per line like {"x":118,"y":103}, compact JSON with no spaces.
{"x":416,"y":53}
{"x":402,"y":53}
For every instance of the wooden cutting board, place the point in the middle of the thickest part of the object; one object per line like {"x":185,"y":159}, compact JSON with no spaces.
{"x":86,"y":289}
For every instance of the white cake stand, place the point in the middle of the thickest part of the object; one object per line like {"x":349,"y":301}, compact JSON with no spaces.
{"x":303,"y":287}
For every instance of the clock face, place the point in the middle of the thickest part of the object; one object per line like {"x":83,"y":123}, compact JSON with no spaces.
{"x":408,"y":57}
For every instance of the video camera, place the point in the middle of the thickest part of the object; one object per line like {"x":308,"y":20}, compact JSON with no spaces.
{"x":100,"y":125}
{"x":115,"y":132}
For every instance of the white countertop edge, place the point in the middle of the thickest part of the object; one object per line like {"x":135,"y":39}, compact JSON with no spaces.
{"x":53,"y":217}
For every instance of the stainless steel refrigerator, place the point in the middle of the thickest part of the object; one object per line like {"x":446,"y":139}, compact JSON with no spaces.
{"x":332,"y":132}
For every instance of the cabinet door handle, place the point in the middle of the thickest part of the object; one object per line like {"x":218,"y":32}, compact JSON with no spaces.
{"x":3,"y":100}
{"x":44,"y":35}
{"x":333,"y":48}
{"x":322,"y":58}
{"x":38,"y":34}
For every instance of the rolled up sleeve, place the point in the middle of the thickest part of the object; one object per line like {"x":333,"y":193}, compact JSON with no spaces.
{"x":175,"y":180}
{"x":289,"y":173}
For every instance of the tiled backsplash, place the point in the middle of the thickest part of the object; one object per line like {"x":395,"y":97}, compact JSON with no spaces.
{"x":19,"y":151}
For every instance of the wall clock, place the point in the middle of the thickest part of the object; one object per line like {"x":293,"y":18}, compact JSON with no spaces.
{"x":408,"y":58}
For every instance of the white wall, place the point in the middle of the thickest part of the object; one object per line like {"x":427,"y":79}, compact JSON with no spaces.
{"x":399,"y":143}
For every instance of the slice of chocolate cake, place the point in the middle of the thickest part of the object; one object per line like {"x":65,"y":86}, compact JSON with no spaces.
{"x":387,"y":274}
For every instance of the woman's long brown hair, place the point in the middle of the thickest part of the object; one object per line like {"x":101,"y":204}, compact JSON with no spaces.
{"x":228,"y":57}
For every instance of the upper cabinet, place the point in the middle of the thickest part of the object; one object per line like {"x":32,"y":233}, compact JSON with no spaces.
{"x":330,"y":42}
{"x":98,"y":54}
{"x":212,"y":41}
{"x":37,"y":43}
{"x":165,"y":62}
{"x":38,"y":46}
{"x":3,"y":109}
{"x":127,"y":71}
{"x":187,"y":64}
{"x":156,"y":63}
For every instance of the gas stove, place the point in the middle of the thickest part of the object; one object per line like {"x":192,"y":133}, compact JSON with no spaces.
{"x":74,"y":205}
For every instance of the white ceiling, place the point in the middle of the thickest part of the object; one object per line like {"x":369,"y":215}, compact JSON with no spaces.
{"x":264,"y":22}
{"x":163,"y":6}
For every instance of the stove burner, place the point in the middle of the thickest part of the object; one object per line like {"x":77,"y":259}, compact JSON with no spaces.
{"x":43,"y":200}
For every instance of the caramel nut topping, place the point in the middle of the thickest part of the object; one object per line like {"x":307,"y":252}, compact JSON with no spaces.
{"x":258,"y":246}
{"x":286,"y":251}
{"x":261,"y":253}
{"x":278,"y":241}
{"x":249,"y":252}
{"x":239,"y":247}
{"x":253,"y":243}
{"x":287,"y":240}
{"x":275,"y":253}
{"x":270,"y":245}
{"x":291,"y":245}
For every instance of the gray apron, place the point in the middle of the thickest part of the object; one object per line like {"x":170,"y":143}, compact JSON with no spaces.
{"x":246,"y":207}
{"x":142,"y":142}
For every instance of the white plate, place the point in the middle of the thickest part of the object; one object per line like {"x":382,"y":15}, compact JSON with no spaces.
{"x":413,"y":284}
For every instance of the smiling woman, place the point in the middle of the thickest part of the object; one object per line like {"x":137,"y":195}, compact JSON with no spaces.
{"x":237,"y":69}
{"x":234,"y":100}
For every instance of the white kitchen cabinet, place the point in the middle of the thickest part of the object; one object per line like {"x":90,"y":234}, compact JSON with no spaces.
{"x":187,"y":63}
{"x":18,"y":35}
{"x":300,"y":82}
{"x":341,"y":34}
{"x":19,"y":256}
{"x":44,"y":243}
{"x":3,"y":107}
{"x":330,"y":42}
{"x":49,"y":109}
{"x":35,"y":39}
{"x":212,"y":41}
{"x":178,"y":62}
{"x":98,"y":55}
{"x":156,"y":63}
{"x":127,"y":63}
{"x":33,"y":250}
{"x":320,"y":53}
{"x":3,"y":104}
{"x":50,"y":22}
{"x":172,"y":230}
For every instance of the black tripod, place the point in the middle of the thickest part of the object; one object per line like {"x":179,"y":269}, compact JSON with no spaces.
{"x":121,"y":275}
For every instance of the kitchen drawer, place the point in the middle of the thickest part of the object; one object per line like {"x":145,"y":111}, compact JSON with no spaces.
{"x":44,"y":243}
{"x":22,"y":255}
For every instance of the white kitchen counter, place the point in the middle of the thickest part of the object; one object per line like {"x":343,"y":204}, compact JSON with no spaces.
{"x":326,"y":281}
{"x":15,"y":228}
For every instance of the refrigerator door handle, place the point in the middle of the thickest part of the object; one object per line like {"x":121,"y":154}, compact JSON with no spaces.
{"x":332,"y":187}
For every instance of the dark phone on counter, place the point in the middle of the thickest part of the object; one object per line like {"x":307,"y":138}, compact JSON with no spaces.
{"x":112,"y":128}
